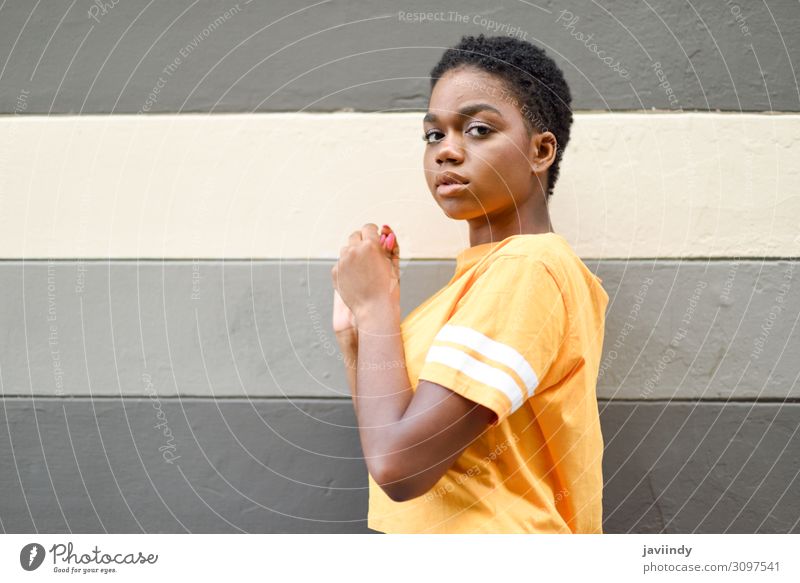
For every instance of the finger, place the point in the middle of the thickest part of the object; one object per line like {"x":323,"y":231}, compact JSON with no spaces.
{"x":370,"y":231}
{"x":386,"y":243}
{"x":391,"y":243}
{"x":394,"y":250}
{"x":354,"y":237}
{"x":392,"y":246}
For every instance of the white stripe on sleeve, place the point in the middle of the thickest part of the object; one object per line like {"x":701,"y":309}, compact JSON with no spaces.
{"x":480,"y":371}
{"x":493,"y":349}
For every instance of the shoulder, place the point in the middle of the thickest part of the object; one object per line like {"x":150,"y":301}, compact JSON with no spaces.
{"x":512,"y":274}
{"x":524,"y":254}
{"x":548,"y":247}
{"x":578,"y":285}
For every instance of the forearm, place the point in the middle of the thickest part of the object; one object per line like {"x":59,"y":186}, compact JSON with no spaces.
{"x":348,"y":346}
{"x":382,"y":383}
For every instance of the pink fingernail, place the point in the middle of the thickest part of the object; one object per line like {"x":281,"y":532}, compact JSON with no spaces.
{"x":390,"y":241}
{"x":383,"y":238}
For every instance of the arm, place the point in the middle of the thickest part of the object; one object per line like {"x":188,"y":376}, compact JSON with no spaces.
{"x":344,"y":326}
{"x":348,"y":346}
{"x":409,"y":438}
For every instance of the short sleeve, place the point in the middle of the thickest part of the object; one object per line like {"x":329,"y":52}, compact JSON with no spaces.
{"x":503,"y":336}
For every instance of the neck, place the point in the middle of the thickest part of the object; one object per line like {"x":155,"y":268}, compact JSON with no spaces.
{"x":522,"y":219}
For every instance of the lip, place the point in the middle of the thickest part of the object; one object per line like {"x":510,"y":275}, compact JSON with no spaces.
{"x":450,"y":183}
{"x":450,"y":189}
{"x":444,"y":178}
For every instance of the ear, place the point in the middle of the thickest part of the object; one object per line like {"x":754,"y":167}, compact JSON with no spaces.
{"x":542,"y":153}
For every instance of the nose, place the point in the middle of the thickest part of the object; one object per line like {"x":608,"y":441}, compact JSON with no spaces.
{"x":450,"y":150}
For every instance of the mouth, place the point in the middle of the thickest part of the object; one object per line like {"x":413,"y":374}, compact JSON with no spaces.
{"x":448,"y":183}
{"x":451,"y":188}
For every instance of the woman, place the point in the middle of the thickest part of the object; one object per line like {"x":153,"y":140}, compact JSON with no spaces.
{"x":477,"y":412}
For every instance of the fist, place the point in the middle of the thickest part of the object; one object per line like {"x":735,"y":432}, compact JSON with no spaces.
{"x":361,"y":274}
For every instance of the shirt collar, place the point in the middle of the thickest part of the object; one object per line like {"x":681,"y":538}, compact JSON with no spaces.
{"x":471,"y":255}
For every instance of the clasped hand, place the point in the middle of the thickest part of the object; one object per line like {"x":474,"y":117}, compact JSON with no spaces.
{"x":366,"y":275}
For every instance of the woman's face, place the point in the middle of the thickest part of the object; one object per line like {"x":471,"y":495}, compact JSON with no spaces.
{"x":475,"y":130}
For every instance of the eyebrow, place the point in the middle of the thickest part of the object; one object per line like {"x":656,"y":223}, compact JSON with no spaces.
{"x":468,"y":110}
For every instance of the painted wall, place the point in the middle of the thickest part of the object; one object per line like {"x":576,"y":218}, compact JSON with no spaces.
{"x":176,"y":180}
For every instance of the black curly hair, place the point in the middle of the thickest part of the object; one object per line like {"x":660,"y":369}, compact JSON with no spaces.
{"x":532,"y":77}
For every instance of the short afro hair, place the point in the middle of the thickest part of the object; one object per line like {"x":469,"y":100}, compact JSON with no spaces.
{"x":532,"y":77}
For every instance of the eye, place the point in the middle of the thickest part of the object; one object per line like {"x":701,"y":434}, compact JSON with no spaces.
{"x":484,"y":131}
{"x":487,"y":131}
{"x":428,"y":134}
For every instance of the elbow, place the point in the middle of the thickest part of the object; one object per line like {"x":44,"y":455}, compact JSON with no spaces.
{"x":399,"y":491}
{"x":397,"y":484}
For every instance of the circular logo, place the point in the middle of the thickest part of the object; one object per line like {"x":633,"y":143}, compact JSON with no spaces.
{"x":31,"y":556}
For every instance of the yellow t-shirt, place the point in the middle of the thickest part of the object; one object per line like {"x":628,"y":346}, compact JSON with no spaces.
{"x":519,"y":329}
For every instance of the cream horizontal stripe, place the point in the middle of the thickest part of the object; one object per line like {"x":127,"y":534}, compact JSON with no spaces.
{"x":492,"y":349}
{"x":475,"y":369}
{"x":295,"y":185}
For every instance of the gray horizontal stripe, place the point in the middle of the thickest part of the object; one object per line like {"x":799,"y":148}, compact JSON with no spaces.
{"x":197,"y":465}
{"x":84,"y":465}
{"x":701,"y":468}
{"x":228,"y":56}
{"x":674,"y":330}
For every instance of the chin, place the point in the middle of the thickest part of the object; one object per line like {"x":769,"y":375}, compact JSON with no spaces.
{"x":463,"y":207}
{"x":459,"y":210}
